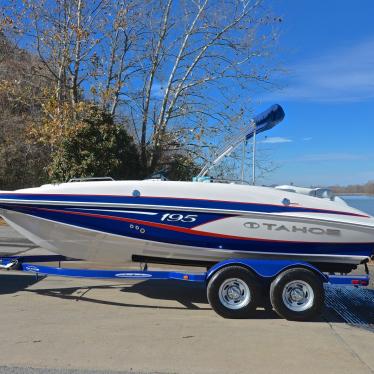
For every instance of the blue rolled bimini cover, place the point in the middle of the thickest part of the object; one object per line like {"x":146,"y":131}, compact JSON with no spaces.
{"x":267,"y":119}
{"x":262,"y":122}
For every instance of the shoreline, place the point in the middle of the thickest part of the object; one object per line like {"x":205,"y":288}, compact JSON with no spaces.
{"x":354,"y":194}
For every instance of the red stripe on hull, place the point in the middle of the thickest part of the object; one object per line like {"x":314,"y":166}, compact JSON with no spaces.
{"x":179,"y":229}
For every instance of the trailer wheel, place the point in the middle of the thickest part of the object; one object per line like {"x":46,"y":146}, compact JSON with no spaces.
{"x":233,"y":292}
{"x":297,"y":294}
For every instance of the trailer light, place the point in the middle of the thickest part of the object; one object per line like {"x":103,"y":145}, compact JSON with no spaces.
{"x":186,"y":277}
{"x":360,"y":282}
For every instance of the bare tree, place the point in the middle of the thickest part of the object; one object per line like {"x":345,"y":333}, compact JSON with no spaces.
{"x":81,"y":44}
{"x":180,"y":71}
{"x":117,"y":52}
{"x":200,"y":57}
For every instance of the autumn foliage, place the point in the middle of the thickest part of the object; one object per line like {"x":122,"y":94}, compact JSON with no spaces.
{"x":125,"y":88}
{"x":94,"y":146}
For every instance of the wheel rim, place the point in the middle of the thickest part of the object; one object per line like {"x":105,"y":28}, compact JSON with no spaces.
{"x":234,"y":293}
{"x":298,"y":296}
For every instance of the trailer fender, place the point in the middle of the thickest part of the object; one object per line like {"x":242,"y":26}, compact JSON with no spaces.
{"x":265,"y":269}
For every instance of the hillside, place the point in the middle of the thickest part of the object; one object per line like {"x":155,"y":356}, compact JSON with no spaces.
{"x":22,"y":80}
{"x":367,"y":189}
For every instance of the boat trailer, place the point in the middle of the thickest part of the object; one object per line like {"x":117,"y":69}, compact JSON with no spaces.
{"x":235,"y":287}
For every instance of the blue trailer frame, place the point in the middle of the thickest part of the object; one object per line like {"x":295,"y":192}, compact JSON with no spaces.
{"x":266,"y":270}
{"x":234,"y":287}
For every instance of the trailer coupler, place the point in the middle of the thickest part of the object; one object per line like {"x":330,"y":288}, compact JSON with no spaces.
{"x":11,"y":265}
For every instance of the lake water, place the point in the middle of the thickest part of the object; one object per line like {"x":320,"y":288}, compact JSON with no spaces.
{"x":361,"y":202}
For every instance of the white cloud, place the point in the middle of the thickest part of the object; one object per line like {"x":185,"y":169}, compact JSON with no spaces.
{"x":333,"y":157}
{"x":307,"y":139}
{"x":343,"y":75}
{"x":276,"y":140}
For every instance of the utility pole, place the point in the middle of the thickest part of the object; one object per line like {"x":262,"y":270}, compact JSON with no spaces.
{"x":254,"y":156}
{"x":243,"y":159}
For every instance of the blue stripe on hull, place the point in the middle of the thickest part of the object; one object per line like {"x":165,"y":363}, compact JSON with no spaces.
{"x":165,"y":201}
{"x":165,"y":235}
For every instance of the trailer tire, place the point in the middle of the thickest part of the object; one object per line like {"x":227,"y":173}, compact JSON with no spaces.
{"x":233,"y":292}
{"x":297,"y":294}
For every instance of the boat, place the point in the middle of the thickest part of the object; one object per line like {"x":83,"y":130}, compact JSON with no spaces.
{"x":200,"y":222}
{"x":323,"y":193}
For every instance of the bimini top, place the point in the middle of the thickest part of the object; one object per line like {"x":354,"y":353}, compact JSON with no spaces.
{"x":260,"y":123}
{"x":266,"y":120}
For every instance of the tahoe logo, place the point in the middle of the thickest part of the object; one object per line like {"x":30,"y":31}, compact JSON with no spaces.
{"x":292,"y":228}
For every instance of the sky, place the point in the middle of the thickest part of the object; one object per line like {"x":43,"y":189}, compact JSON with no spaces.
{"x":326,"y":48}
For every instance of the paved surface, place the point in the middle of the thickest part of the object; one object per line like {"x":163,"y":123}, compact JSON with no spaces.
{"x":26,"y":370}
{"x":66,"y":325}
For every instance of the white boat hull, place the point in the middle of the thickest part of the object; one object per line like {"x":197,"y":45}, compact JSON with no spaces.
{"x":300,"y":232}
{"x":114,"y":221}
